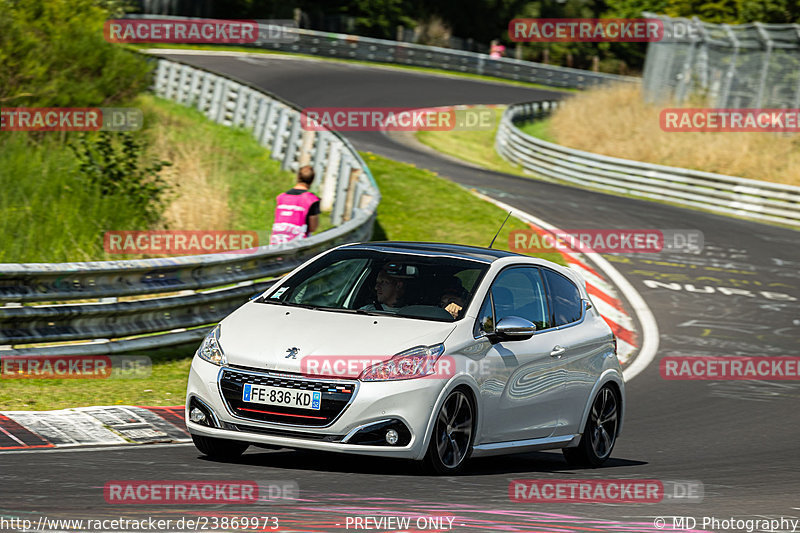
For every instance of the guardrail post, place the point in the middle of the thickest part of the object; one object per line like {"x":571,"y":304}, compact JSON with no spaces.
{"x":321,"y":151}
{"x":306,"y":147}
{"x":183,"y":86}
{"x":266,"y":133}
{"x":280,"y":132}
{"x":240,"y":105}
{"x":229,"y":100}
{"x":215,"y":105}
{"x":162,"y":72}
{"x":251,"y":112}
{"x":194,"y":82}
{"x":341,"y":187}
{"x":171,"y":89}
{"x":291,"y":144}
{"x":355,"y":173}
{"x":206,"y":93}
{"x":331,"y":170}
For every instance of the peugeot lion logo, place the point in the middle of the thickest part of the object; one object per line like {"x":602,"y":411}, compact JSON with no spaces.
{"x":291,"y":353}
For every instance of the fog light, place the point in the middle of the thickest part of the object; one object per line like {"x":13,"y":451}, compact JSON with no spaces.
{"x":391,"y":437}
{"x":197,"y":416}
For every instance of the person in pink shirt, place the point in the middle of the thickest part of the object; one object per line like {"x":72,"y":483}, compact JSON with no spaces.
{"x":496,"y":50}
{"x":297,"y":212}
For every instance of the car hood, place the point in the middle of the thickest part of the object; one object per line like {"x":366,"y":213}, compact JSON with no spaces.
{"x":260,"y":335}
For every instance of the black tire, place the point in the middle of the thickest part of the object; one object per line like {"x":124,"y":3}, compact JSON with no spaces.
{"x":220,"y":449}
{"x":453,"y":434}
{"x":600,"y":433}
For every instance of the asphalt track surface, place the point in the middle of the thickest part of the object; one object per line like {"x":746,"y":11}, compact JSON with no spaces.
{"x":739,"y":438}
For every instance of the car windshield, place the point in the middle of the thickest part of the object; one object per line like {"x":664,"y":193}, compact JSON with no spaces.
{"x":367,"y":281}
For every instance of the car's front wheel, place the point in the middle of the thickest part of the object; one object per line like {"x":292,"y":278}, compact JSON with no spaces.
{"x":221,"y":449}
{"x":600,"y":433}
{"x":452,"y":438}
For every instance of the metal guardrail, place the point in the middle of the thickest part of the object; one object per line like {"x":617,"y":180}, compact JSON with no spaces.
{"x":356,"y":47}
{"x":210,"y":286}
{"x":748,"y":198}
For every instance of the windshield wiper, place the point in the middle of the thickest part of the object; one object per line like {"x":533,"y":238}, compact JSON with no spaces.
{"x":348,"y":310}
{"x":288,"y":304}
{"x":328,"y":308}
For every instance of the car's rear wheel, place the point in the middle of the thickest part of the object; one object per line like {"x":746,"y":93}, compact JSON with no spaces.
{"x":600,"y":433}
{"x":221,"y":449}
{"x":452,"y":438}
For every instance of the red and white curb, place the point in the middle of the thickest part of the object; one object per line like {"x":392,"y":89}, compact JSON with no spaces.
{"x":91,"y":426}
{"x":604,"y":283}
{"x":605,"y":298}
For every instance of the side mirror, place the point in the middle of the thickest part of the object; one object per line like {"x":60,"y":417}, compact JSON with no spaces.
{"x":256,"y":295}
{"x":514,"y":328}
{"x":586,"y":305}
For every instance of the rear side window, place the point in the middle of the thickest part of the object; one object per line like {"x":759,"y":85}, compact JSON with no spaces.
{"x":565,"y":299}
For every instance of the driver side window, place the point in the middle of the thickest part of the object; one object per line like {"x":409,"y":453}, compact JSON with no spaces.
{"x":517,"y":291}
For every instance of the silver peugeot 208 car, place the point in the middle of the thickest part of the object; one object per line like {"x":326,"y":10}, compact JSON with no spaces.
{"x":430,"y":352}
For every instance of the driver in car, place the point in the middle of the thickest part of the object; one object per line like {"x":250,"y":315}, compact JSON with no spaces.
{"x":389,"y":292}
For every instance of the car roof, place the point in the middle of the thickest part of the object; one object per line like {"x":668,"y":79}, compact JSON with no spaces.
{"x":476,"y":253}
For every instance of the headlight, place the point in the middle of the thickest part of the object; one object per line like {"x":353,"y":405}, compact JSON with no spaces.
{"x":210,"y":350}
{"x":414,"y":363}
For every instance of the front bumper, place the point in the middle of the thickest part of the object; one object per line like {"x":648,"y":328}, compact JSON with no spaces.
{"x":410,"y":402}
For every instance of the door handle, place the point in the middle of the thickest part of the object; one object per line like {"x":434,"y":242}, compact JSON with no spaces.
{"x":557,"y":351}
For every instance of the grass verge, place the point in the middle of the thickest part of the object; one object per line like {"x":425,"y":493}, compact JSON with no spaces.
{"x":475,"y":147}
{"x":617,"y":122}
{"x":221,"y":179}
{"x":165,"y":386}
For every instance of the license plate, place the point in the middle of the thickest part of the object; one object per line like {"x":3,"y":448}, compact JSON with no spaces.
{"x":301,"y":399}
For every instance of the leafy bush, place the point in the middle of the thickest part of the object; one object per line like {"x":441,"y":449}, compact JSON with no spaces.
{"x":53,"y":54}
{"x":116,"y":165}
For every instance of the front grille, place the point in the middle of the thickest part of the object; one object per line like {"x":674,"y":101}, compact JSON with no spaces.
{"x":335,"y":397}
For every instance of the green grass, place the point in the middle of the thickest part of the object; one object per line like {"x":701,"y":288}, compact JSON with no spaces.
{"x":166,"y":385}
{"x":428,"y":70}
{"x":476,"y":147}
{"x":252,"y":178}
{"x":418,"y":205}
{"x":539,"y":129}
{"x":49,"y":213}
